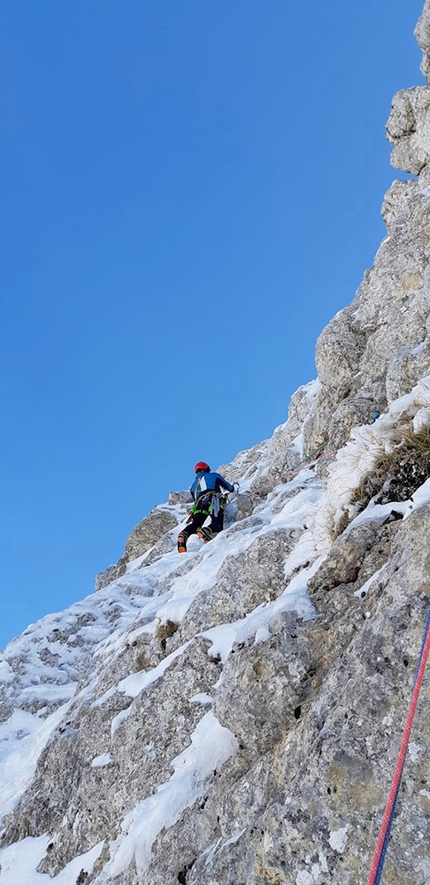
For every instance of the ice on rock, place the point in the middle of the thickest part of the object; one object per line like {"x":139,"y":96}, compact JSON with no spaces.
{"x":299,"y":626}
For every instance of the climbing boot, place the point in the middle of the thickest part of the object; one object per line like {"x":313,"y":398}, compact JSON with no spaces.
{"x":205,"y":534}
{"x":182,"y":543}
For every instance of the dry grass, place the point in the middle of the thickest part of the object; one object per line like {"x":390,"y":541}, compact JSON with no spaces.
{"x":165,"y":631}
{"x":397,"y":476}
{"x":142,"y":662}
{"x":372,"y":484}
{"x":419,"y":444}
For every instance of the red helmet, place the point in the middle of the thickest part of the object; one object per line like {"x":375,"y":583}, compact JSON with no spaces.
{"x":201,"y":466}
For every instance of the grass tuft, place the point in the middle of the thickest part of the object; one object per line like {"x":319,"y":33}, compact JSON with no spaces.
{"x":165,"y":631}
{"x":419,"y":444}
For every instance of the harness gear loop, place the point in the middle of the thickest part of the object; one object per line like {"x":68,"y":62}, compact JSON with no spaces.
{"x":209,"y":503}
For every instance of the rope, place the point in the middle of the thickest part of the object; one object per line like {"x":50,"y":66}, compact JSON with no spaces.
{"x":390,"y":808}
{"x":307,"y":463}
{"x":309,"y":457}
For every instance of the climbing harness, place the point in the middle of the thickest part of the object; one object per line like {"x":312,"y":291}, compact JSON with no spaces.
{"x":218,"y":502}
{"x":208,"y":503}
{"x":390,"y":808}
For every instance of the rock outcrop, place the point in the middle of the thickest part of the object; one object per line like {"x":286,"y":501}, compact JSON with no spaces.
{"x":144,"y":536}
{"x":234,"y":715}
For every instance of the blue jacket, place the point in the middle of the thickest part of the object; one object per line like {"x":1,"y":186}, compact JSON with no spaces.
{"x":209,"y":482}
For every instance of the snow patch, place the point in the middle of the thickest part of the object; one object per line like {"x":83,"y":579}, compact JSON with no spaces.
{"x":101,"y":761}
{"x":211,"y":745}
{"x":414,"y":751}
{"x":294,"y":598}
{"x":22,"y":739}
{"x":338,"y":839}
{"x":364,"y":589}
{"x":19,"y":862}
{"x":137,"y":682}
{"x":202,"y":698}
{"x":304,"y":878}
{"x":121,"y":717}
{"x":420,"y":497}
{"x":235,"y":838}
{"x":7,"y":675}
{"x":358,"y":458}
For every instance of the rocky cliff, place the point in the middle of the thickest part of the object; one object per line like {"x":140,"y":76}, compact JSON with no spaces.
{"x":233,"y":715}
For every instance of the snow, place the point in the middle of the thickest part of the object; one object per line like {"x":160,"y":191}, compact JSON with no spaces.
{"x":421,"y":420}
{"x":22,"y":739}
{"x":363,"y":591}
{"x":414,"y":751}
{"x":313,"y":877}
{"x":420,"y":497}
{"x":304,"y":878}
{"x":47,"y":692}
{"x":42,"y":668}
{"x":201,"y":698}
{"x":323,"y":862}
{"x":294,"y":598}
{"x":262,"y":634}
{"x":211,"y":746}
{"x":101,"y":761}
{"x":358,"y":458}
{"x":137,"y":682}
{"x":19,"y":862}
{"x":235,"y":838}
{"x":6,"y":672}
{"x":118,"y":720}
{"x":338,"y":839}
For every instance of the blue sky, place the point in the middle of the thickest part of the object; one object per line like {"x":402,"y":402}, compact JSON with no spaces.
{"x":190,"y":191}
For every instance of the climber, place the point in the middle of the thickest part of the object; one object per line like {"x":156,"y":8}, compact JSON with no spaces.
{"x":207,"y":513}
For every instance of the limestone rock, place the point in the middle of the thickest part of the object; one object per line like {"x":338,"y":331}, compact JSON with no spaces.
{"x":338,"y":352}
{"x":148,"y":532}
{"x":233,"y":715}
{"x":422,"y":33}
{"x":244,"y":582}
{"x":111,"y":573}
{"x":408,"y":129}
{"x":182,"y":498}
{"x":351,"y":411}
{"x":407,"y":365}
{"x":263,"y":687}
{"x":346,"y":558}
{"x":397,"y":201}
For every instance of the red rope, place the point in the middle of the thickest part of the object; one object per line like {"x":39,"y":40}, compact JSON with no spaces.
{"x":390,"y":806}
{"x":317,"y":461}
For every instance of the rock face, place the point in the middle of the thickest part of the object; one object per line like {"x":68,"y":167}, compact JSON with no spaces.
{"x":378,"y":347}
{"x":144,"y":537}
{"x":234,"y":715}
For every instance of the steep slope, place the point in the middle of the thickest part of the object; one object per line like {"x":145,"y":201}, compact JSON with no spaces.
{"x":233,"y":715}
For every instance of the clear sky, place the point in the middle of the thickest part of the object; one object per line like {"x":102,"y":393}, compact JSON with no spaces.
{"x":189,"y":192}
